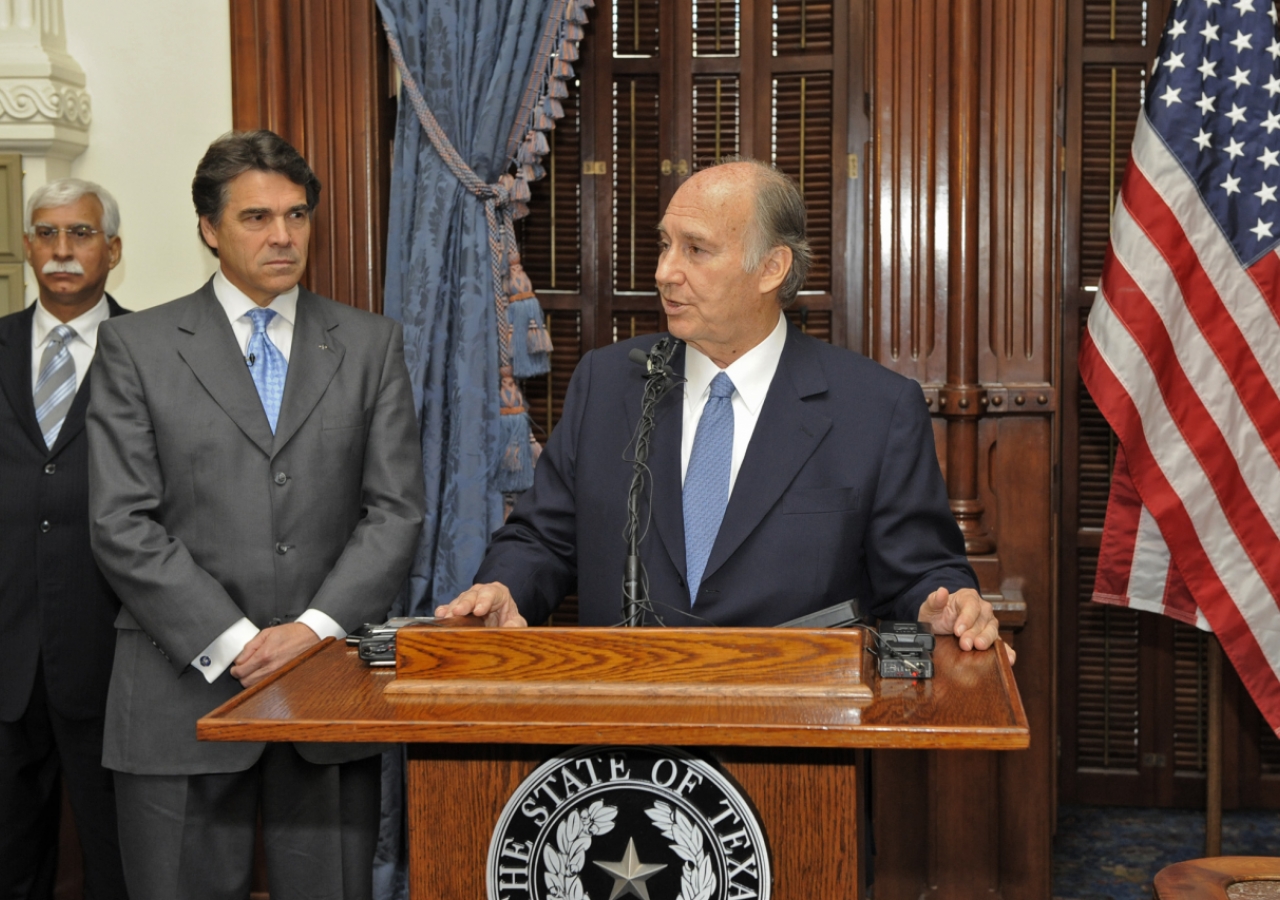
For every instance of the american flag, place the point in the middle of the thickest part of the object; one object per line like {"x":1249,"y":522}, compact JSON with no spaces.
{"x":1182,"y":351}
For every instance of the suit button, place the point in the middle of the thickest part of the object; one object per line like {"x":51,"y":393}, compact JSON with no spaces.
{"x":45,"y":526}
{"x":281,"y":478}
{"x":282,"y":549}
{"x":50,"y":468}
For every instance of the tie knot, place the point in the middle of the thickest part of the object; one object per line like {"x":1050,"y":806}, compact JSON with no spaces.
{"x":260,"y":317}
{"x":721,"y":387}
{"x":61,"y":334}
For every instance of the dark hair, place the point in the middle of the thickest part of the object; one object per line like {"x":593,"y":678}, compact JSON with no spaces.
{"x":237,"y":152}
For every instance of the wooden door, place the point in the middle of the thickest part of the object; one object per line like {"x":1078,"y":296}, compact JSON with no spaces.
{"x":664,"y":89}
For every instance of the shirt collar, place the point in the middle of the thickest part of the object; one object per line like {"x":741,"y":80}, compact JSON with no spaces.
{"x":751,"y":373}
{"x":85,"y":325}
{"x":235,"y":303}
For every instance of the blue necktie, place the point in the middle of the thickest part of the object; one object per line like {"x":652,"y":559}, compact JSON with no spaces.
{"x":55,"y":385}
{"x":267,"y":365}
{"x":706,"y":483}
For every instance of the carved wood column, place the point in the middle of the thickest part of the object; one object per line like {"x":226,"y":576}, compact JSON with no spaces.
{"x":316,"y":73}
{"x":962,"y":295}
{"x":959,"y":399}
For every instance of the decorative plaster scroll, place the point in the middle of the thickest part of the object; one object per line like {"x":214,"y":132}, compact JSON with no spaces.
{"x":42,"y":101}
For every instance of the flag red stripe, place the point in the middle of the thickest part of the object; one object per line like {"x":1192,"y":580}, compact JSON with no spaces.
{"x":1119,"y":536}
{"x":1211,"y":594}
{"x":1148,"y":209}
{"x":1196,"y":425}
{"x":1266,"y":275}
{"x":1178,"y":602}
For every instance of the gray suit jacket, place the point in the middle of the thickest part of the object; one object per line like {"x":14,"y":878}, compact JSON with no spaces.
{"x":200,"y":516}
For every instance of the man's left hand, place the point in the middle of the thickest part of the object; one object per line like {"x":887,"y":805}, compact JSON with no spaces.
{"x":270,"y":649}
{"x":964,"y":614}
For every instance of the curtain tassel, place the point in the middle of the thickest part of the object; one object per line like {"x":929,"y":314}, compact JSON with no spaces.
{"x":530,"y":343}
{"x":515,"y":470}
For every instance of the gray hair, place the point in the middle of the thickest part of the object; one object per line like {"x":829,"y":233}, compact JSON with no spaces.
{"x":66,"y":191}
{"x":779,"y":222}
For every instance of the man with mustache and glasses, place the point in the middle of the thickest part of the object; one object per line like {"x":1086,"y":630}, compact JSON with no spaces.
{"x":255,"y":485}
{"x":56,"y":609}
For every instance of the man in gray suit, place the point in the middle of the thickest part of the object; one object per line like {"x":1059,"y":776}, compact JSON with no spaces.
{"x":255,"y":486}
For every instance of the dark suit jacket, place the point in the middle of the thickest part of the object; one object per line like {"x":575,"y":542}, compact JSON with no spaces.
{"x":55,"y":605}
{"x":839,"y":496}
{"x":199,"y":515}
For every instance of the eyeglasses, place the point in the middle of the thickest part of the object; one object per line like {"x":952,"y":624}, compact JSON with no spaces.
{"x":77,"y":234}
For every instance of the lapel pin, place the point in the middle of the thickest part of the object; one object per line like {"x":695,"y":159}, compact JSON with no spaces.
{"x":324,"y":346}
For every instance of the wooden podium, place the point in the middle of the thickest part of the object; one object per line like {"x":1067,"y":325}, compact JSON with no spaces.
{"x":783,"y":713}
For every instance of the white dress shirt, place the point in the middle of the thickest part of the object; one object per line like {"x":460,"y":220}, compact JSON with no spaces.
{"x":751,"y":374}
{"x":236,"y":305}
{"x":218,"y":656}
{"x":81,"y":347}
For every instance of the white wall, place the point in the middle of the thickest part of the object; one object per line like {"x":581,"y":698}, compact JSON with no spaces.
{"x":159,"y":74}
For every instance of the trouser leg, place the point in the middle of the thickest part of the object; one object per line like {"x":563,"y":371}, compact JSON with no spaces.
{"x":320,"y":826}
{"x":30,"y":802}
{"x":93,"y":801}
{"x":187,"y":837}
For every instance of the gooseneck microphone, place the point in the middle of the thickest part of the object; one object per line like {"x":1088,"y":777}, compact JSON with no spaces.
{"x":659,"y":379}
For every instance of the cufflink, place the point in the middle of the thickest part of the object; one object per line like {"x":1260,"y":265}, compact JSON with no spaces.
{"x":206,"y":661}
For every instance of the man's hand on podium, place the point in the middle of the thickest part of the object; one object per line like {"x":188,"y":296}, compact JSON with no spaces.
{"x":964,"y":614}
{"x":491,"y":602}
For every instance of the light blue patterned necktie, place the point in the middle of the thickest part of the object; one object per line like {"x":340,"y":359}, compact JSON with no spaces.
{"x":55,"y":386}
{"x":706,"y":483}
{"x":267,"y":365}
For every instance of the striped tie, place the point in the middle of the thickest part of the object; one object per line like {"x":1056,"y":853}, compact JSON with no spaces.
{"x":56,"y":384}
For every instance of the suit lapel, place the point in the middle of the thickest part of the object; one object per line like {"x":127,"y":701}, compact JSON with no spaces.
{"x":208,"y":346}
{"x":74,"y":423}
{"x":15,"y":372}
{"x":664,"y":463}
{"x":313,"y":360}
{"x":785,"y":436}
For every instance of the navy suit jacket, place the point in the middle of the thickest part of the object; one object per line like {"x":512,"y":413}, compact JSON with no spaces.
{"x":56,"y":609}
{"x":839,"y":497}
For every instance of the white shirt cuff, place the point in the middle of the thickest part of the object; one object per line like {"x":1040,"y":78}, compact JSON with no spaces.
{"x":218,"y":656}
{"x":322,"y":624}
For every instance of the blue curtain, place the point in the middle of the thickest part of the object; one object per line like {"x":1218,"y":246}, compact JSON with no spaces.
{"x":486,"y":75}
{"x":473,"y":61}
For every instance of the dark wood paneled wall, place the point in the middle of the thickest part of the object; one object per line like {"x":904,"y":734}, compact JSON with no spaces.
{"x":316,"y":72}
{"x":962,"y":295}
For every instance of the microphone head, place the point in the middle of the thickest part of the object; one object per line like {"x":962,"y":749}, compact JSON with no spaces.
{"x":639,"y":357}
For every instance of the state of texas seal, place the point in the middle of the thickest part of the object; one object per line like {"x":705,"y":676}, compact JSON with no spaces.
{"x":603,"y":823}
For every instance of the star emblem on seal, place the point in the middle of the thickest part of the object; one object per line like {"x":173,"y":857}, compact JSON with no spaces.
{"x":629,"y":874}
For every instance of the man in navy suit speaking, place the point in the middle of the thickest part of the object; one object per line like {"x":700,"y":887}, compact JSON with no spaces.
{"x":788,"y":475}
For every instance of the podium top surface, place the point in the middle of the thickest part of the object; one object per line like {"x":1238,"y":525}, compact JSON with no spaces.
{"x":328,"y":694}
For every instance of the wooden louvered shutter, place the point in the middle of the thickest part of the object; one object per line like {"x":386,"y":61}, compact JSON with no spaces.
{"x":696,"y":81}
{"x":809,"y":124}
{"x":1134,"y":685}
{"x":1112,"y":100}
{"x":1107,"y":712}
